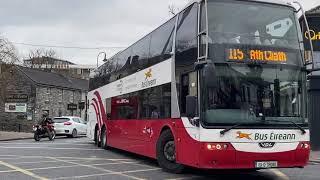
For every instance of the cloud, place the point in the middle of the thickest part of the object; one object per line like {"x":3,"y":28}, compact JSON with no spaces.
{"x":81,"y":23}
{"x":86,"y":23}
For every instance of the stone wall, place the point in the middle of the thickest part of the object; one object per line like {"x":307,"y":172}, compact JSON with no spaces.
{"x":56,"y":100}
{"x":40,"y":98}
{"x":17,"y":84}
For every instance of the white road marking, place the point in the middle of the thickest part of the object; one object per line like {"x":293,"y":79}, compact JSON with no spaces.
{"x":64,"y":157}
{"x":111,"y":173}
{"x":26,"y":172}
{"x":40,"y":143}
{"x":36,"y":162}
{"x":69,"y":166}
{"x":183,"y":178}
{"x":50,"y":148}
{"x":101,"y":169}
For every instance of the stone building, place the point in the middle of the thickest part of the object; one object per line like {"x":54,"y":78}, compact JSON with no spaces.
{"x":65,"y":67}
{"x":30,"y":92}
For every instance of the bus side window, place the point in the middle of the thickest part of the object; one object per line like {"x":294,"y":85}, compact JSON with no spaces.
{"x":188,"y":88}
{"x":161,"y":42}
{"x":140,"y":53}
{"x":108,"y":108}
{"x":186,"y":40}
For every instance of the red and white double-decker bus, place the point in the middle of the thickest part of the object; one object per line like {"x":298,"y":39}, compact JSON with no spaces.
{"x":221,"y":85}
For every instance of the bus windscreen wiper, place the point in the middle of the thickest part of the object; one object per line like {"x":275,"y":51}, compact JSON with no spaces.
{"x":299,"y":127}
{"x":229,"y":128}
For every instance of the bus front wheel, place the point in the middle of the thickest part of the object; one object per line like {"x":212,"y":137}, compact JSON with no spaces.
{"x":166,"y":153}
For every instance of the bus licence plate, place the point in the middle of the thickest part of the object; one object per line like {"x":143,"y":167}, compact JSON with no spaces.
{"x":266,"y":164}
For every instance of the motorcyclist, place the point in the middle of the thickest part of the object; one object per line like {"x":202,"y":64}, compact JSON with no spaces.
{"x":44,"y":128}
{"x":45,"y":121}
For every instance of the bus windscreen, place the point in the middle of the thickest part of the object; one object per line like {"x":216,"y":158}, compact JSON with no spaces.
{"x":253,"y":32}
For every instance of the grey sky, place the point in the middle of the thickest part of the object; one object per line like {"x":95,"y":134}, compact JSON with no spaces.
{"x":85,"y":23}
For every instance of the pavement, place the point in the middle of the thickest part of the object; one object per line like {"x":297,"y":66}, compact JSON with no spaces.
{"x":79,"y":158}
{"x":9,"y":136}
{"x":315,"y":156}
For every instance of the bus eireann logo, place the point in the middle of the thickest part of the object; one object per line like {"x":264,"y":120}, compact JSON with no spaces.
{"x":148,"y":74}
{"x":241,"y":135}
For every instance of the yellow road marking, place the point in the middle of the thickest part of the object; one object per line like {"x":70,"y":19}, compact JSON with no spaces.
{"x":58,"y":167}
{"x":22,"y":171}
{"x":63,"y":157}
{"x":48,"y":148}
{"x":111,"y":173}
{"x":36,"y":162}
{"x":183,"y":178}
{"x":280,"y":174}
{"x":101,"y":169}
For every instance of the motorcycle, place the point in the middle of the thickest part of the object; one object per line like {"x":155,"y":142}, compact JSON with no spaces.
{"x":42,"y":131}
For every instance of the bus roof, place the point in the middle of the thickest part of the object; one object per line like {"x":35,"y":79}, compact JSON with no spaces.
{"x":277,"y":2}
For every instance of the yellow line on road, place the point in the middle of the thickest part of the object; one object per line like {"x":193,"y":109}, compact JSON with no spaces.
{"x":75,"y":165}
{"x":184,"y":178}
{"x":89,"y":158}
{"x":37,"y":162}
{"x":97,"y":168}
{"x":280,"y":174}
{"x":69,"y":166}
{"x":22,"y":171}
{"x":111,"y":173}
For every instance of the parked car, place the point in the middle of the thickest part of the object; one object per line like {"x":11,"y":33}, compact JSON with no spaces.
{"x":70,"y":126}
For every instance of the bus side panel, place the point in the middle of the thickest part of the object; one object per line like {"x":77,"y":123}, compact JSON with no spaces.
{"x":117,"y":134}
{"x":148,"y":133}
{"x":302,"y":157}
{"x":188,"y":149}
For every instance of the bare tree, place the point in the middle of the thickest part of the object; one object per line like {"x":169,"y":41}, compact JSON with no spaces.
{"x":8,"y":59}
{"x":41,"y":58}
{"x":172,"y":10}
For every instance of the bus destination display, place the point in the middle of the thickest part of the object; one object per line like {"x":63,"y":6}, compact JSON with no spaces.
{"x":241,"y":55}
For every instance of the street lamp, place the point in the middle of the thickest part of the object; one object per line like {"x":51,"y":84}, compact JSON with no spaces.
{"x":104,"y":59}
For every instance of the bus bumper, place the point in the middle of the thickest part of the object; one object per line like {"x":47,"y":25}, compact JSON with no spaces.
{"x":230,"y":158}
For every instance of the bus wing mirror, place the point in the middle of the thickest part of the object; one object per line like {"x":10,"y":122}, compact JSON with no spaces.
{"x":201,"y":64}
{"x":191,"y":106}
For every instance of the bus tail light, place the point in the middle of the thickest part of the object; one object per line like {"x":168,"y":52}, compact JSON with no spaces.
{"x":304,"y":145}
{"x":217,"y":146}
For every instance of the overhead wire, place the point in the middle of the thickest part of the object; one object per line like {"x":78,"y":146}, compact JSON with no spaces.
{"x":67,"y":47}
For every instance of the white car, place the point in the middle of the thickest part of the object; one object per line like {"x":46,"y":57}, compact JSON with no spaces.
{"x":70,"y":126}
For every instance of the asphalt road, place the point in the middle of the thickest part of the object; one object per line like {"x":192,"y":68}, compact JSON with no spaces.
{"x":78,"y":158}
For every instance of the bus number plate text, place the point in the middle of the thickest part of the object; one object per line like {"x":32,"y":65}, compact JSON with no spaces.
{"x":266,"y":164}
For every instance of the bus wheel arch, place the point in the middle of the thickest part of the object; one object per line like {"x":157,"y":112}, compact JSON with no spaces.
{"x":166,"y":152}
{"x":103,"y":137}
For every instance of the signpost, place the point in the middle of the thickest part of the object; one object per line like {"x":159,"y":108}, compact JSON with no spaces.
{"x":17,"y":98}
{"x":72,"y":107}
{"x":16,"y":107}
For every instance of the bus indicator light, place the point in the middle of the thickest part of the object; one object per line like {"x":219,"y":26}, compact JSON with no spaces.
{"x":217,"y":146}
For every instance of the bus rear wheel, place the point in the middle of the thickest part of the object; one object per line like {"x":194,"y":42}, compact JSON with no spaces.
{"x":166,"y":153}
{"x":96,"y":137}
{"x":104,"y":139}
